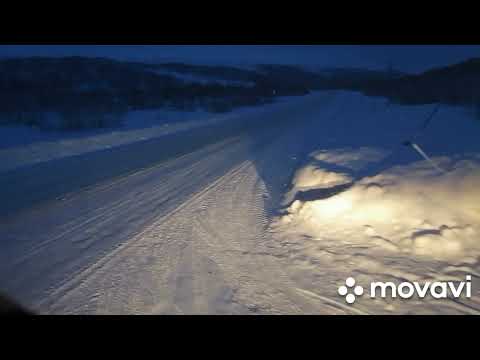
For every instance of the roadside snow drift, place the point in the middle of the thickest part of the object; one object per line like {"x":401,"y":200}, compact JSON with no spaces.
{"x":366,"y":204}
{"x":24,"y":146}
{"x":409,"y":209}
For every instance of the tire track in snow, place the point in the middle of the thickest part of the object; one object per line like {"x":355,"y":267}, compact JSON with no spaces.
{"x":109,"y":212}
{"x":72,"y":252}
{"x":117,"y":255}
{"x":209,"y":253}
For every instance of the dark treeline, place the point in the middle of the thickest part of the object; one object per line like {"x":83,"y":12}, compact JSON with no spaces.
{"x":76,"y":92}
{"x":49,"y":83}
{"x":457,"y":84}
{"x":84,"y":92}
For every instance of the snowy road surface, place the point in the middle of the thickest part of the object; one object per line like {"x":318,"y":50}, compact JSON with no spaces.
{"x":182,"y":225}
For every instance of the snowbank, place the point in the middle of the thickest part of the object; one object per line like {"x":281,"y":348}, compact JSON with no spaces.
{"x":22,"y":146}
{"x":317,"y":174}
{"x":353,"y":159}
{"x":363,"y":205}
{"x":41,"y":146}
{"x":409,"y":209}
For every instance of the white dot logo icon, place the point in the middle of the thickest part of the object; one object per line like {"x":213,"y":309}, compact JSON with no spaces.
{"x":344,"y":290}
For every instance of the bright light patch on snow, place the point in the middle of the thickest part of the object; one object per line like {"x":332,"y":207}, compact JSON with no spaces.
{"x":409,"y":209}
{"x":313,"y":176}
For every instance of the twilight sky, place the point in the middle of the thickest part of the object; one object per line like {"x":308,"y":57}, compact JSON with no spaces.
{"x":410,"y":58}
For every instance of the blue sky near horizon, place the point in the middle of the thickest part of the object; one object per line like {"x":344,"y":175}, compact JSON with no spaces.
{"x":409,"y":58}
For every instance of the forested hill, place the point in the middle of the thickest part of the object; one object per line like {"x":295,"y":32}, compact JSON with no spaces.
{"x":457,"y":84}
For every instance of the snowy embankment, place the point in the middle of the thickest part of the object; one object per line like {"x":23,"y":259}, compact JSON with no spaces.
{"x":26,"y":146}
{"x":410,"y":209}
{"x":378,"y":211}
{"x":23,"y":146}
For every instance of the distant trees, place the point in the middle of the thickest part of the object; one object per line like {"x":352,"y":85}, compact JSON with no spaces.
{"x":457,"y":84}
{"x":74,"y":93}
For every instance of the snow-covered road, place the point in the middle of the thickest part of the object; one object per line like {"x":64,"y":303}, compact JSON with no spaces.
{"x":185,"y":231}
{"x":142,"y":242}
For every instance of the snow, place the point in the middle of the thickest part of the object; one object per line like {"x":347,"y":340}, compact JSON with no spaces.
{"x":29,"y":146}
{"x":351,"y":158}
{"x":383,"y":211}
{"x":182,"y":236}
{"x":203,"y":80}
{"x":269,"y":220}
{"x":407,"y":209}
{"x":24,"y":146}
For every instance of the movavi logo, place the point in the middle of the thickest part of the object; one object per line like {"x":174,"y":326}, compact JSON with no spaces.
{"x":407,"y":290}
